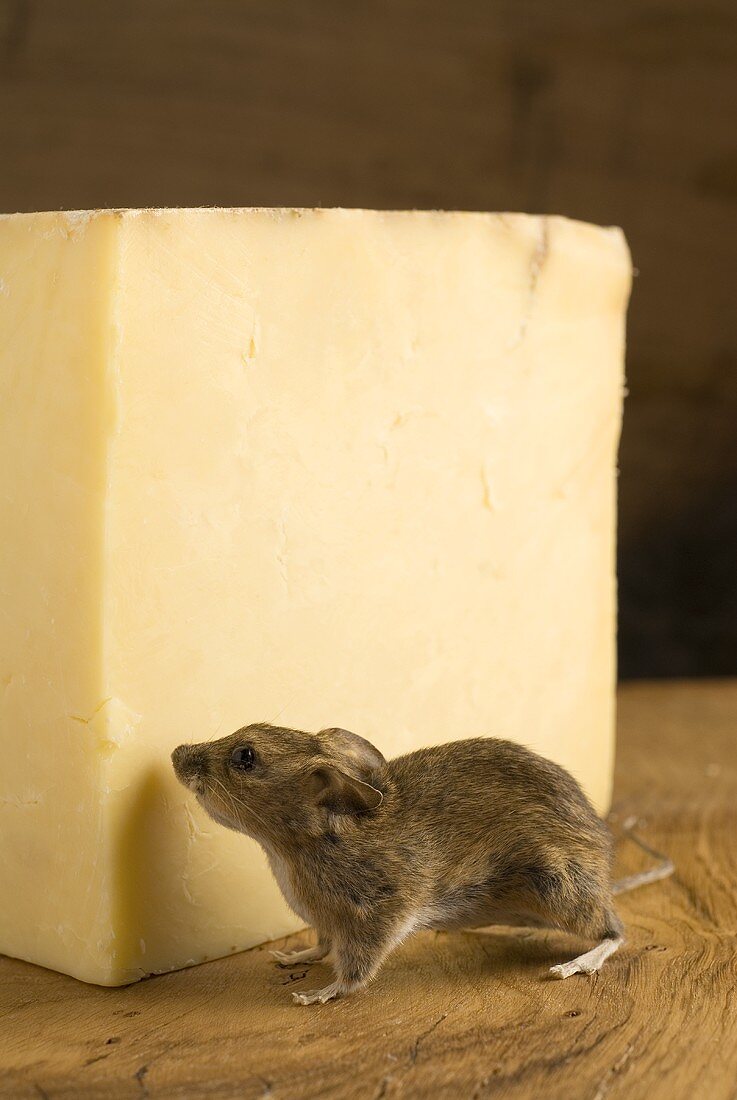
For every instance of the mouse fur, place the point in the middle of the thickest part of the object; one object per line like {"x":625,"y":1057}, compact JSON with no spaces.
{"x":368,"y":851}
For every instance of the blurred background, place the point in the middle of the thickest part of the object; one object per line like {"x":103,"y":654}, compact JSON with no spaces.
{"x":615,"y":111}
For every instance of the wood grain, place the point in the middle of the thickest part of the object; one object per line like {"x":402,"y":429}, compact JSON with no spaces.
{"x":467,"y":1015}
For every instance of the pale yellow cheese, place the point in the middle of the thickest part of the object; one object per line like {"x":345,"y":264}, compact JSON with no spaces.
{"x":310,"y":467}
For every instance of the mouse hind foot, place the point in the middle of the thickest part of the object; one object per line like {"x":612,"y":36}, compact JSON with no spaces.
{"x":606,"y":927}
{"x":590,"y":961}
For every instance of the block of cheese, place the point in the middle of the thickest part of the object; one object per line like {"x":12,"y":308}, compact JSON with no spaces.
{"x":320,"y":467}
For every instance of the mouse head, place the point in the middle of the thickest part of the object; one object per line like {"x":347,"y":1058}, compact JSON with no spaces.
{"x":271,"y":782}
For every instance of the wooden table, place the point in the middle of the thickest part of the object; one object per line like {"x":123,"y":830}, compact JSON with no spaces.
{"x":467,"y":1015}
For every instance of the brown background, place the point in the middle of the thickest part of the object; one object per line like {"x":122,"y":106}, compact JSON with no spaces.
{"x":615,"y":111}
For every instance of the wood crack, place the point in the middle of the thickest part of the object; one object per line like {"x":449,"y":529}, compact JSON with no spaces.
{"x":616,"y":1068}
{"x":415,"y":1048}
{"x":139,"y":1076}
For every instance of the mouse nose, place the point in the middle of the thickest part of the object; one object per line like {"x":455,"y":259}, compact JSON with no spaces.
{"x":188,"y":762}
{"x":177,"y":758}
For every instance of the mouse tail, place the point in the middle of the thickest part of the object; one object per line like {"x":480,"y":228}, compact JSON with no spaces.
{"x":663,"y":869}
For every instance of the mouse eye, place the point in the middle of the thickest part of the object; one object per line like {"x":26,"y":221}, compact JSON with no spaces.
{"x":243,"y":758}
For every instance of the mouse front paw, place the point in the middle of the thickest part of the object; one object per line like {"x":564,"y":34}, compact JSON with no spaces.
{"x":286,"y":958}
{"x":296,"y":958}
{"x":317,"y":996}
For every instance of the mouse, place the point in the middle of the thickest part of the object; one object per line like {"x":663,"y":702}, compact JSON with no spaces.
{"x":367,"y":851}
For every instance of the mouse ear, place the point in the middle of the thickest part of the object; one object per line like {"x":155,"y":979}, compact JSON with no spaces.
{"x":357,"y":751}
{"x":341,"y":793}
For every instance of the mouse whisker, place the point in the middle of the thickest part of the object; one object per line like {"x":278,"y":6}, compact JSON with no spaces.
{"x":235,"y":802}
{"x":227,"y":793}
{"x":287,"y":704}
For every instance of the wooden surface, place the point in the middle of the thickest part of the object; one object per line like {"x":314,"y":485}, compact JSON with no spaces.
{"x":464,"y":1015}
{"x":615,"y":111}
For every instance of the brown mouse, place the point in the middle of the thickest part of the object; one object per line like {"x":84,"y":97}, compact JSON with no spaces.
{"x":368,"y":851}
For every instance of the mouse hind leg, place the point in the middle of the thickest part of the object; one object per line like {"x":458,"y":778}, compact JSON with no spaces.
{"x":576,"y":901}
{"x":586,"y":915}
